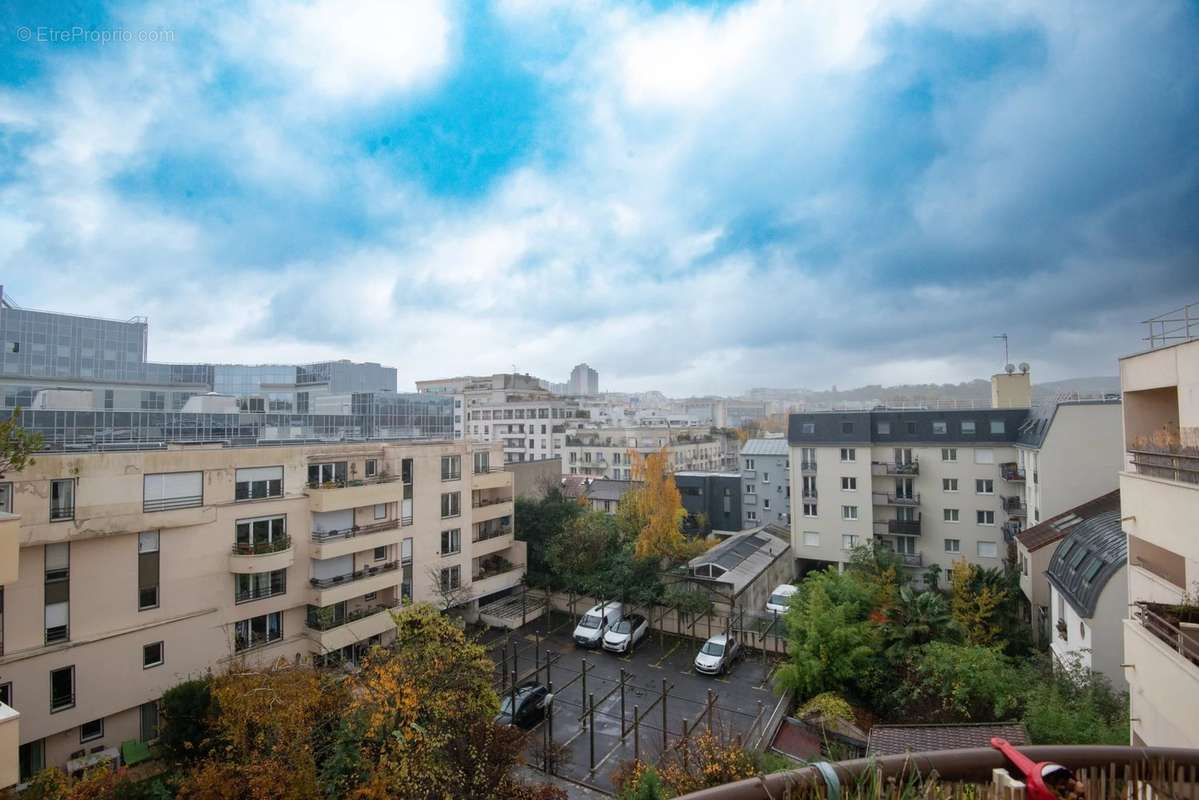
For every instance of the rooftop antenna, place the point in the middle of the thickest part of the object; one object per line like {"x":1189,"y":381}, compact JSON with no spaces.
{"x":1004,"y":337}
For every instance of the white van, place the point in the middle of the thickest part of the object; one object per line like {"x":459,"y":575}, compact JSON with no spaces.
{"x":596,"y":622}
{"x":779,"y":598}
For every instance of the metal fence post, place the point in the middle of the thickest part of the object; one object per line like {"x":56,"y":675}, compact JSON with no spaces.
{"x":622,"y":703}
{"x":584,"y":680}
{"x":709,"y":710}
{"x":504,"y":669}
{"x":636,"y":733}
{"x":683,"y":746}
{"x":664,"y":731}
{"x":591,"y":732}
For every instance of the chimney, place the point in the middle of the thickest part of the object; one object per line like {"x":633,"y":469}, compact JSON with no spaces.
{"x":1011,"y":389}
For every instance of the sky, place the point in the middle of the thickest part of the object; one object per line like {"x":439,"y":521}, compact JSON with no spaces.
{"x":690,"y":197}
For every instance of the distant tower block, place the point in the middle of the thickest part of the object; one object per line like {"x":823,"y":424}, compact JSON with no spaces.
{"x":1011,"y":389}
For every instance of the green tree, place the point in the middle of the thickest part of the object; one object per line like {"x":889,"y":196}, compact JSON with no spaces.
{"x":579,"y":553}
{"x":960,"y":683}
{"x":1070,"y":704}
{"x":17,"y":445}
{"x":186,"y":712}
{"x":538,"y":522}
{"x":832,"y":644}
{"x":914,"y":619}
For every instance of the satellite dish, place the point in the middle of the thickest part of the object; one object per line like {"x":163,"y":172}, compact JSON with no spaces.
{"x":1010,"y":368}
{"x":1023,"y":367}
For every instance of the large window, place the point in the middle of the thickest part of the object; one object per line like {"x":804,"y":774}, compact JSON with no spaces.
{"x":451,"y":578}
{"x":257,"y":631}
{"x":331,"y":473}
{"x":257,"y":585}
{"x":58,"y":592}
{"x":451,"y":468}
{"x":952,"y":514}
{"x":62,"y":688}
{"x":949,"y":484}
{"x":451,"y":504}
{"x":261,"y":535}
{"x":171,"y":490}
{"x":256,"y":483}
{"x":953,"y":545}
{"x":451,"y":541}
{"x":811,"y":538}
{"x":984,"y":486}
{"x":988,"y":550}
{"x":985,"y":517}
{"x":147,"y":570}
{"x":849,"y":541}
{"x":482,"y":462}
{"x":62,"y":499}
{"x":849,"y":512}
{"x":849,"y":454}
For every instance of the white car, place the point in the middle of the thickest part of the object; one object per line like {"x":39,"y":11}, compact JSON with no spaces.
{"x":596,"y":622}
{"x":717,"y":654}
{"x":624,"y":635}
{"x":780,"y":597}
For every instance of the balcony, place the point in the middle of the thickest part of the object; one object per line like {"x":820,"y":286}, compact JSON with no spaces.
{"x":491,"y":509}
{"x":10,"y":547}
{"x":331,"y":544}
{"x":10,"y":739}
{"x":1013,"y":506}
{"x":493,"y":573}
{"x":340,"y":495}
{"x":903,"y":527}
{"x":902,"y":500}
{"x":352,"y":584}
{"x":1177,"y":626}
{"x":1011,"y":472}
{"x":1011,"y":530}
{"x":808,"y":494}
{"x":1181,"y":467}
{"x":496,"y":478}
{"x":900,"y":469}
{"x":331,"y":634}
{"x":262,"y":556}
{"x":807,"y":466}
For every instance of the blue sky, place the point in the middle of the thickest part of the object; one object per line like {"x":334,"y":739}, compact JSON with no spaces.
{"x":692,"y":197}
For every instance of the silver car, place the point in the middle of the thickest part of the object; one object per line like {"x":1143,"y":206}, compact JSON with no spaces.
{"x":717,"y":655}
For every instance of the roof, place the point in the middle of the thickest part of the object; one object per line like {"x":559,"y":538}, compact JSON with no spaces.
{"x":894,"y":740}
{"x":914,"y":426}
{"x":765,"y":447}
{"x":745,"y":555}
{"x":1095,"y":549}
{"x":1057,"y":527}
{"x":1034,"y":430}
{"x":606,"y":489}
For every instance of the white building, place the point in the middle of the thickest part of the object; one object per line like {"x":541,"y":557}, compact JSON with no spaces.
{"x":605,"y":453}
{"x":583,"y":381}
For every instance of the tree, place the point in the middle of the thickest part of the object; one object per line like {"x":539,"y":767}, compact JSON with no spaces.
{"x":449,"y":595}
{"x":655,"y":510}
{"x":17,"y":445}
{"x":960,"y":683}
{"x":832,"y":644}
{"x":914,"y":619}
{"x":186,"y":711}
{"x":976,"y":601}
{"x":576,"y":555}
{"x":538,"y":522}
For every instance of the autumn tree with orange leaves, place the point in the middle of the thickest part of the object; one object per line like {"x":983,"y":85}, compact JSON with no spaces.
{"x":655,"y":510}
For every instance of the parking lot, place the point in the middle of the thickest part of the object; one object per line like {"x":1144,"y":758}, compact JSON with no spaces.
{"x":660,"y":692}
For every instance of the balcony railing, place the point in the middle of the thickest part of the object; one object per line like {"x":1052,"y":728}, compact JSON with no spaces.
{"x":1012,"y":505}
{"x":1123,"y":771}
{"x":497,"y":569}
{"x":484,"y":502}
{"x":883,"y":499}
{"x":1164,"y":622}
{"x":482,"y":534}
{"x":172,"y":503}
{"x":807,"y":466}
{"x":1183,"y":467}
{"x":896,"y":468}
{"x":322,"y":622}
{"x":343,"y":483}
{"x":1011,"y":472}
{"x":903,"y":527}
{"x":275,"y":545}
{"x":912,"y":559}
{"x":356,"y":575}
{"x":1011,"y":530}
{"x":808,"y":494}
{"x":357,"y":530}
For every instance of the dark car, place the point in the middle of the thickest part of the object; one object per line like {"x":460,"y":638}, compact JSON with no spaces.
{"x":531,"y":700}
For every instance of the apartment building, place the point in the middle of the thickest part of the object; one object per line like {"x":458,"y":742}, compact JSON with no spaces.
{"x":10,"y":718}
{"x":606,"y":452}
{"x":583,"y":381}
{"x":1159,"y":498}
{"x":714,"y":495}
{"x":927,"y":483}
{"x":765,"y":482}
{"x":142,"y":567}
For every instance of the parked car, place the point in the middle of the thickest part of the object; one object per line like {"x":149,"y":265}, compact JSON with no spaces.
{"x":624,"y":635}
{"x":531,"y":702}
{"x":717,"y":655}
{"x":778,"y":601}
{"x":596,"y":622}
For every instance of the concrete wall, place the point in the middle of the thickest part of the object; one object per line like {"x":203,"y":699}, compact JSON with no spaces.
{"x":1097,"y":641}
{"x":1079,"y":460}
{"x":532,"y":478}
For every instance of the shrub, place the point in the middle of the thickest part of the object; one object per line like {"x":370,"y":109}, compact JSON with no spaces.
{"x":185,"y":734}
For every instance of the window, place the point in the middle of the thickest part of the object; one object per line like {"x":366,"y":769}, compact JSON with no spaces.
{"x":482,"y":462}
{"x":953,"y":545}
{"x":846,"y":427}
{"x":809,"y":509}
{"x":152,"y":655}
{"x":884,"y":428}
{"x":406,"y":551}
{"x":451,"y":468}
{"x":62,"y":688}
{"x":6,"y":693}
{"x":997,"y":426}
{"x":984,"y":486}
{"x":765,"y":477}
{"x":261,"y":535}
{"x":949,"y":454}
{"x":849,"y":484}
{"x":379,"y":553}
{"x":968,"y":427}
{"x":90,"y":731}
{"x":987,"y":550}
{"x":451,"y":504}
{"x":752,"y":516}
{"x":808,"y":427}
{"x":751,"y":488}
{"x":950,"y":514}
{"x":148,"y":727}
{"x":57,"y":592}
{"x":451,"y":542}
{"x":849,"y":512}
{"x":949,"y":484}
{"x":62,"y":499}
{"x":940,"y":428}
{"x":849,"y":454}
{"x":811,"y":539}
{"x":256,"y":483}
{"x":749,"y":463}
{"x":330,"y":473}
{"x":173,"y":490}
{"x":984,"y":455}
{"x":849,"y":541}
{"x":6,"y":497}
{"x":147,"y":570}
{"x":766,"y":504}
{"x":985,"y":517}
{"x":257,"y":631}
{"x":257,"y":585}
{"x":451,"y":578}
{"x":910,"y":427}
{"x":380,"y":510}
{"x":371,"y":469}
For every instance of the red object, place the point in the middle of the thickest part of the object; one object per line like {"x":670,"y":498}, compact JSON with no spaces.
{"x":1034,"y":773}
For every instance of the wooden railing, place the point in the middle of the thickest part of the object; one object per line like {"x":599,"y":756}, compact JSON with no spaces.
{"x":1171,"y":466}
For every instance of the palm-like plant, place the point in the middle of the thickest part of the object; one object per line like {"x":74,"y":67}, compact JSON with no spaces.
{"x":914,"y":620}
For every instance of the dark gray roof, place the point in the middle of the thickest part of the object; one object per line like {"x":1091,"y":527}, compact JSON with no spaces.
{"x":744,"y":555}
{"x":895,"y":740}
{"x":1095,"y":549}
{"x":776,"y":446}
{"x":604,"y":489}
{"x":863,"y":426}
{"x":1034,"y":430}
{"x":1057,"y":527}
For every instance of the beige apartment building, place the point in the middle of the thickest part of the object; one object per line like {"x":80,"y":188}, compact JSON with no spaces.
{"x":1159,"y":496}
{"x":606,"y":452}
{"x":129,"y":571}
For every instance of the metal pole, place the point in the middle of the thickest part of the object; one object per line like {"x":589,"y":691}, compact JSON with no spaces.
{"x":711,"y":701}
{"x":504,"y":669}
{"x":622,"y":703}
{"x":663,"y":715}
{"x":584,"y":680}
{"x":547,"y":668}
{"x":537,"y":652}
{"x":636,"y":733}
{"x":591,"y":732}
{"x":550,"y":728}
{"x":685,"y":748}
{"x":523,"y":609}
